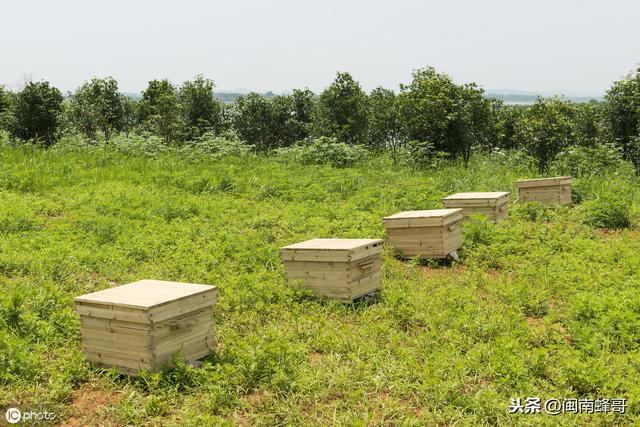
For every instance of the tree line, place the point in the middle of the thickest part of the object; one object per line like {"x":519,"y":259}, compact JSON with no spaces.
{"x":432,"y":114}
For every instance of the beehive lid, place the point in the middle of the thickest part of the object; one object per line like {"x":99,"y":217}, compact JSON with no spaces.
{"x":145,"y":294}
{"x":339,"y":250}
{"x":428,"y":218}
{"x":544,"y":182}
{"x":491,"y":198}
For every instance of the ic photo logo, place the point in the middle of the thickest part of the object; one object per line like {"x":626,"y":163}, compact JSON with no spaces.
{"x":34,"y":414}
{"x":13,"y":415}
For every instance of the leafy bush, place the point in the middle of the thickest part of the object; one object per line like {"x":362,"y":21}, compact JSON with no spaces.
{"x":516,"y":160}
{"x":592,"y":161}
{"x":324,"y":151}
{"x":608,"y":211}
{"x":421,"y":155}
{"x":37,"y":113}
{"x":545,"y":129}
{"x":219,"y":146}
{"x":145,"y":144}
{"x":532,"y":211}
{"x":477,"y":231}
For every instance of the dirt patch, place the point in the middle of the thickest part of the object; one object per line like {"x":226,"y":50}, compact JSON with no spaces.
{"x":256,"y":397}
{"x":316,"y":357}
{"x":615,"y":233}
{"x":474,"y":386}
{"x":561,"y":330}
{"x":383,"y":395}
{"x":89,"y":404}
{"x":240,"y":420}
{"x":535,"y":321}
{"x":428,"y":272}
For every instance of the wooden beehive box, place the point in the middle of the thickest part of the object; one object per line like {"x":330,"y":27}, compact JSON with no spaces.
{"x":545,"y":190}
{"x":342,"y":269}
{"x":142,"y":324}
{"x":426,"y":234}
{"x":495,"y":205}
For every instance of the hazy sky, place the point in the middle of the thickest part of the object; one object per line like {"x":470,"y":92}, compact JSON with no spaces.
{"x":542,"y":45}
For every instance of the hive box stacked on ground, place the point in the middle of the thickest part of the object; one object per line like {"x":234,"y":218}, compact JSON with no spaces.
{"x":494,"y":205}
{"x":343,"y":269}
{"x":426,"y":234}
{"x":545,"y":190}
{"x":142,"y":324}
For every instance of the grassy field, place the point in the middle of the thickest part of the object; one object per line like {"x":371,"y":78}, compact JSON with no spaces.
{"x":544,"y":305}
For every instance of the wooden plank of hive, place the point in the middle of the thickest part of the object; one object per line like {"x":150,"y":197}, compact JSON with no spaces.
{"x":325,"y":256}
{"x":112,"y":313}
{"x":423,"y":231}
{"x":543,"y":182}
{"x":337,"y":250}
{"x":202,"y":316}
{"x":365,"y":285}
{"x":171,"y":344}
{"x":185,"y":305}
{"x":131,"y":365}
{"x":121,"y":352}
{"x":136,"y":330}
{"x":91,"y":338}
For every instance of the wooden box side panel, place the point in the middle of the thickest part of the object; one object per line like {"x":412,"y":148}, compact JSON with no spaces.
{"x":365,"y":285}
{"x":425,"y":241}
{"x":113,"y":312}
{"x":183,"y":306}
{"x":192,"y":336}
{"x":550,"y":194}
{"x":316,"y":271}
{"x":336,"y":280}
{"x":331,"y":255}
{"x":314,"y":255}
{"x":496,"y":213}
{"x":117,"y":344}
{"x":365,"y":267}
{"x":544,"y":182}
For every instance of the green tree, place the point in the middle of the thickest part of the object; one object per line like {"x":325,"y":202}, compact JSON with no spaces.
{"x":37,"y":113}
{"x":452,"y":118}
{"x":341,"y":111}
{"x":97,"y":106}
{"x":546,"y":128}
{"x":131,"y":114}
{"x":429,"y":105}
{"x":588,"y":129}
{"x":161,"y":112}
{"x":471,"y":123}
{"x":504,"y":119}
{"x":202,"y":111}
{"x":282,"y":123}
{"x":269,"y":123}
{"x":622,"y":114}
{"x":252,"y":121}
{"x":385,"y":121}
{"x":303,"y":103}
{"x":6,"y":109}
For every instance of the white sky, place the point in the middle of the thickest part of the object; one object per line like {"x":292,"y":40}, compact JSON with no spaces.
{"x":542,"y":45}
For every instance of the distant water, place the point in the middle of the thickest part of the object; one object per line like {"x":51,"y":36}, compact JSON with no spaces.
{"x":519,"y":102}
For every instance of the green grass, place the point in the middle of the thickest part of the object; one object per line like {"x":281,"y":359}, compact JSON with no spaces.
{"x":544,"y":305}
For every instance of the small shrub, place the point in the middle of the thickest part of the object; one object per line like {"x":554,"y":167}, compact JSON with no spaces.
{"x":139,"y":145}
{"x":220,"y":146}
{"x":601,"y":160}
{"x":421,"y":155}
{"x":477,"y":231}
{"x":608,"y":211}
{"x":532,"y":211}
{"x":324,"y":151}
